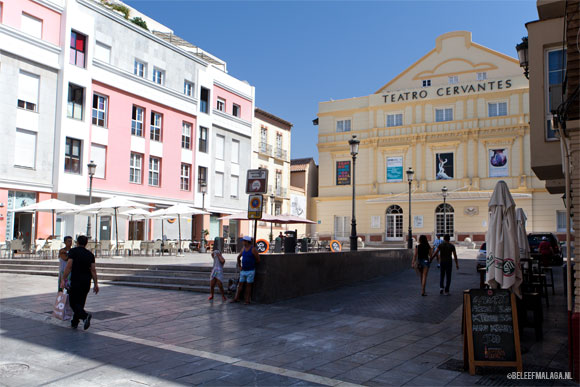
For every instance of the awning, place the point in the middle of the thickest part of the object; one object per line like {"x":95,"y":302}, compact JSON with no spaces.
{"x":436,"y":196}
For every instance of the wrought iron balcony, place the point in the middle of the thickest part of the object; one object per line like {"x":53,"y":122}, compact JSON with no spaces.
{"x":265,"y":148}
{"x":281,"y":154}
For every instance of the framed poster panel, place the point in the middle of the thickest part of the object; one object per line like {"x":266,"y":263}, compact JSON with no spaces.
{"x":498,"y":162}
{"x":444,"y":169}
{"x":343,"y":172}
{"x":394,"y":169}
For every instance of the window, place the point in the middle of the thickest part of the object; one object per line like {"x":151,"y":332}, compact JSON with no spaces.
{"x":278,"y":183}
{"x":31,"y":25}
{"x":135,"y":167}
{"x":75,"y":101}
{"x":444,"y":219}
{"x":99,"y":157}
{"x":452,"y":80}
{"x":204,"y":100}
{"x":234,"y":186}
{"x":25,"y":148}
{"x":185,"y":177}
{"x":77,"y":49}
{"x":140,"y":69}
{"x":221,"y":104}
{"x":443,"y":115}
{"x":561,"y":222}
{"x":158,"y":76}
{"x":100,"y":110}
{"x":154,"y":171}
{"x":496,"y":109}
{"x":278,"y":141}
{"x":219,"y":184}
{"x":481,"y":76}
{"x":426,"y":82}
{"x":556,"y":72}
{"x":103,"y":52}
{"x":236,"y":110}
{"x":72,"y":155}
{"x":235,"y":152}
{"x":28,"y":91}
{"x":137,"y":121}
{"x":201,"y":177}
{"x":219,"y":147}
{"x":155,"y":132}
{"x":186,"y":135}
{"x":341,"y":226}
{"x":188,"y":88}
{"x":202,"y":139}
{"x":394,"y":120}
{"x":343,"y":126}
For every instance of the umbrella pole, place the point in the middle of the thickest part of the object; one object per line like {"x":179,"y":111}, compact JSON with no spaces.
{"x":96,"y":233}
{"x":53,"y":223}
{"x":162,"y":241}
{"x":116,"y":233}
{"x":179,"y":227}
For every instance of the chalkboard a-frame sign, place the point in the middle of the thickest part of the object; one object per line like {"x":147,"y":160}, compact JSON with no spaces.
{"x":491,"y":335}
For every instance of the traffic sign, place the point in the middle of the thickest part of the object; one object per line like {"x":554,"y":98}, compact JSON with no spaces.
{"x":255,"y":206}
{"x":257,"y":181}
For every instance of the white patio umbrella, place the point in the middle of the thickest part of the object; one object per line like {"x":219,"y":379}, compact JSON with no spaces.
{"x":291,"y":219}
{"x":176,"y":211}
{"x":523,"y":243}
{"x":51,"y":205}
{"x":503,"y":255}
{"x":243,"y":215}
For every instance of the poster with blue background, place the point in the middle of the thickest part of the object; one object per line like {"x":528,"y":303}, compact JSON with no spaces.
{"x":394,"y":169}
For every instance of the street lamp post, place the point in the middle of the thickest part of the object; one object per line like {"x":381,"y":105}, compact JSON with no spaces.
{"x":410,"y":173}
{"x":203,"y":190}
{"x":91,"y":167}
{"x":354,"y":143}
{"x":444,"y":193}
{"x":272,"y":197}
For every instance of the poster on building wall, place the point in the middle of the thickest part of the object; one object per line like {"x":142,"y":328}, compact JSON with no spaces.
{"x":298,"y":205}
{"x":444,"y":166}
{"x":394,"y":169}
{"x":375,"y":221}
{"x":418,"y":221}
{"x":498,"y":162}
{"x":343,"y":173}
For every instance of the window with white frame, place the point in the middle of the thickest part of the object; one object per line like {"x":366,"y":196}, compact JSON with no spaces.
{"x":426,"y":83}
{"x":481,"y":76}
{"x":236,"y":110}
{"x":72,"y":155}
{"x":201,"y":177}
{"x":445,"y":114}
{"x":100,"y":110}
{"x":154,"y":171}
{"x":219,"y":147}
{"x":155,"y":130}
{"x":234,"y":186}
{"x":185,"y":178}
{"x":203,"y":139}
{"x":561,"y":222}
{"x":555,"y":74}
{"x":188,"y":88}
{"x":137,"y":121}
{"x":99,"y":157}
{"x":31,"y":25}
{"x":219,"y":184}
{"x":221,"y":104}
{"x":158,"y":76}
{"x":102,"y":52}
{"x":28,"y":91}
{"x":78,"y":49}
{"x":235,"y":158}
{"x":25,"y":148}
{"x":341,"y":226}
{"x":204,"y":100}
{"x":186,"y":135}
{"x":75,"y":104}
{"x":140,"y":69}
{"x":452,"y":80}
{"x":496,"y":109}
{"x":343,"y":126}
{"x":135,"y":168}
{"x":394,"y":119}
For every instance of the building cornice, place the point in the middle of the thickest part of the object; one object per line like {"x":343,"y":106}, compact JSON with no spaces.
{"x":231,"y":131}
{"x":25,"y":185}
{"x":29,"y":39}
{"x":113,"y":16}
{"x":231,"y":117}
{"x":232,"y":90}
{"x":50,"y":5}
{"x":259,"y":112}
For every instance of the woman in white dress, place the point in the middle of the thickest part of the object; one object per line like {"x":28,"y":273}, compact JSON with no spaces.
{"x":217,"y":273}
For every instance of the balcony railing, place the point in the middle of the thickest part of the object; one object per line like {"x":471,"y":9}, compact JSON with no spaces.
{"x":265,"y":148}
{"x":277,"y":191}
{"x":281,"y":153}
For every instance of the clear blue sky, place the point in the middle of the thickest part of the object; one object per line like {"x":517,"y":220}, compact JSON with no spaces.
{"x":298,"y":53}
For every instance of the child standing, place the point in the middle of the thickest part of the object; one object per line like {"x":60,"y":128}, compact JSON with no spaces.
{"x":217,"y":273}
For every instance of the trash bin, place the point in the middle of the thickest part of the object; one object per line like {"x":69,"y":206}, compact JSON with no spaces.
{"x":304,"y":245}
{"x":290,"y":242}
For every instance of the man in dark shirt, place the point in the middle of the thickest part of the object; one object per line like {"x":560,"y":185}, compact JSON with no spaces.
{"x":81,"y":267}
{"x":444,"y":253}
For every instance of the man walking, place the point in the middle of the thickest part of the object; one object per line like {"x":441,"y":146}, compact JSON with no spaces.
{"x":81,"y":267}
{"x":444,"y":253}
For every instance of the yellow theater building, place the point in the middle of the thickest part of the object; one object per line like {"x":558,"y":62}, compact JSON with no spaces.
{"x":459,"y":117}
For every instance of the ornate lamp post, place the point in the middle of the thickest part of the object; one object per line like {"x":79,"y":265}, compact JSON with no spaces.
{"x":272,"y":197}
{"x":203,"y":190}
{"x":410,"y":173}
{"x":354,"y":143}
{"x":92,"y":168}
{"x":444,"y":193}
{"x":522,"y":49}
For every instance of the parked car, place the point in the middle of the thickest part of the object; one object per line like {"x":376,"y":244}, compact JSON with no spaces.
{"x":481,"y":256}
{"x":535,"y":238}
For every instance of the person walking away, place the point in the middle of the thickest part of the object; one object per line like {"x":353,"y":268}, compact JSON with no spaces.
{"x":422,"y":261}
{"x":546,"y":251}
{"x":217,"y":272}
{"x":62,"y":260}
{"x":247,"y":260}
{"x":81,"y":267}
{"x":444,"y":254}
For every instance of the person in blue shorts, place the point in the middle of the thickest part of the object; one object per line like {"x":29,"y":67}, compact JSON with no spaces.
{"x":247,"y":260}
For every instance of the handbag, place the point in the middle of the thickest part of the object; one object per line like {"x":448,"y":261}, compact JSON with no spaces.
{"x":61,"y":309}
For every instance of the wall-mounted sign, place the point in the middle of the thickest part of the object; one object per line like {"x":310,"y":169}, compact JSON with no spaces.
{"x":343,"y":173}
{"x":444,"y":166}
{"x":262,"y":246}
{"x":394,"y":169}
{"x":335,"y":246}
{"x":498,"y":162}
{"x":418,"y":221}
{"x":257,"y":181}
{"x":255,"y":206}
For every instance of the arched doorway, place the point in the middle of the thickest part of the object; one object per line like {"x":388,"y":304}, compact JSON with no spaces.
{"x":394,"y":223}
{"x":444,"y":219}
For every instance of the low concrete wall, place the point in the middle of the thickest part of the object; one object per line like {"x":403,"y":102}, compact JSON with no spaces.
{"x":284,"y":276}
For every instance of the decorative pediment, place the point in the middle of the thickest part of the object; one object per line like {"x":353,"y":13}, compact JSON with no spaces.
{"x":454,"y":66}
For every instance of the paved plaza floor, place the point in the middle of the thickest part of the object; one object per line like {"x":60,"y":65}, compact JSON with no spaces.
{"x":378,"y":332}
